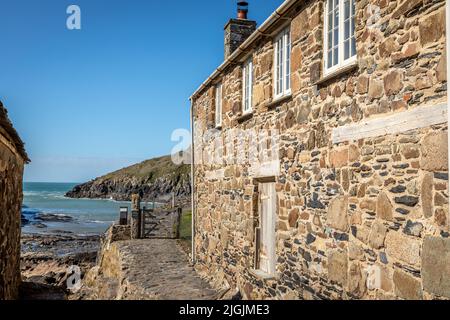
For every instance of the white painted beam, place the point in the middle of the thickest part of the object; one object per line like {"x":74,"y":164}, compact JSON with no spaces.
{"x":394,"y":123}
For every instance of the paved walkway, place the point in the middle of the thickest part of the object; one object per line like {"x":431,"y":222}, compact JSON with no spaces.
{"x":159,"y":269}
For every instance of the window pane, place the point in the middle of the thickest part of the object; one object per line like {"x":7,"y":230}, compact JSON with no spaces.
{"x":347,"y":9}
{"x":336,"y":37}
{"x":330,"y":21}
{"x":277,"y":69}
{"x":335,"y":56}
{"x":352,"y":29}
{"x":346,"y":49}
{"x":330,"y":40}
{"x":353,"y":46}
{"x":336,"y":17}
{"x":244,"y":78}
{"x":250,"y":86}
{"x":288,"y":61}
{"x":346,"y":29}
{"x":281,"y":68}
{"x":218,"y":115}
{"x":330,"y":59}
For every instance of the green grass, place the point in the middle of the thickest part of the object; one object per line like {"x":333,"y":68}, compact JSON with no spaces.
{"x":186,"y":230}
{"x":152,"y":169}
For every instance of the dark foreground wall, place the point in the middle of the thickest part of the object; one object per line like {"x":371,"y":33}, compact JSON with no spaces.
{"x":12,"y":160}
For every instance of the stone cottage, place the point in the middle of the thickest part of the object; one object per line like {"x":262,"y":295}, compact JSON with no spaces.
{"x":12,"y":160}
{"x":320,"y":163}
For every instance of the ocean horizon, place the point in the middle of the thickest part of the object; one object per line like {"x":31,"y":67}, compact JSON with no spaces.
{"x":46,"y":210}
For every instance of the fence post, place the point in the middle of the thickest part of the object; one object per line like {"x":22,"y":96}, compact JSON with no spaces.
{"x":179,"y":213}
{"x":142,"y":222}
{"x":135,"y":216}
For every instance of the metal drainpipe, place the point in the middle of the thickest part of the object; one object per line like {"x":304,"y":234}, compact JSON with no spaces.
{"x":192,"y":183}
{"x":447,"y":42}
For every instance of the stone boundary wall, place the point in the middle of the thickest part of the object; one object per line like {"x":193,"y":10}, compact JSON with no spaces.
{"x":346,"y":211}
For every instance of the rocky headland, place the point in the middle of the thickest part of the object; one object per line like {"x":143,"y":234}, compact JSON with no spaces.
{"x":155,"y":180}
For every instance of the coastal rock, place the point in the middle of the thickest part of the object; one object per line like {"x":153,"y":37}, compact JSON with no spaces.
{"x":154,"y":180}
{"x":39,"y":225}
{"x":53,"y":217}
{"x":45,"y":262}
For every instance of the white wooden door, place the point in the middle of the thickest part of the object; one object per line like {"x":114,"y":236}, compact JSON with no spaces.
{"x":267,"y":211}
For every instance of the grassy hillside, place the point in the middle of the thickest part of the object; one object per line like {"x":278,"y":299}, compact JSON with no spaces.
{"x":154,"y":179}
{"x":151,"y":170}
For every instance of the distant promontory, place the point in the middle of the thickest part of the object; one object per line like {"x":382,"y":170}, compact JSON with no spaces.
{"x":155,"y":179}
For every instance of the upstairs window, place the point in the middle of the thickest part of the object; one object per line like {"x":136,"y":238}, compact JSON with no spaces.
{"x":218,"y":113}
{"x":340,"y":42}
{"x":247,"y":90}
{"x":283,"y":63}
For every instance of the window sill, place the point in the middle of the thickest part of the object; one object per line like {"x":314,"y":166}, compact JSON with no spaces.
{"x":337,"y":73}
{"x":274,"y":103}
{"x":244,"y":116}
{"x":262,"y":275}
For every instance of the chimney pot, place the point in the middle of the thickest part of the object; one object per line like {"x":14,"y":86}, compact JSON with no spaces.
{"x":242,"y":10}
{"x":238,"y":30}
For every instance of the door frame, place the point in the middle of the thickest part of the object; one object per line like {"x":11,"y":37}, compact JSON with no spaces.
{"x":259,"y":230}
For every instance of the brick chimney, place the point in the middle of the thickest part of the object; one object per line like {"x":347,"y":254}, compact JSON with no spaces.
{"x":239,"y":29}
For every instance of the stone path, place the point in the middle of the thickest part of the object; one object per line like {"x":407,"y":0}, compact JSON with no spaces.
{"x":159,"y":269}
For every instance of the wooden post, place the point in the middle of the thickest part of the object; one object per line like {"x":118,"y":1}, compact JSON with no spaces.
{"x":178,"y":223}
{"x":135,"y":216}
{"x":142,"y":222}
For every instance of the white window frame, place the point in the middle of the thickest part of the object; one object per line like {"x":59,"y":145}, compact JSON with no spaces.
{"x":218,"y":105}
{"x":283,"y":87}
{"x":247,"y":86}
{"x":342,"y":62}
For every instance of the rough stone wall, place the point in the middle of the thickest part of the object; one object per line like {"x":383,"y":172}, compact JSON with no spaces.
{"x":11,"y":172}
{"x":346,"y":210}
{"x":236,"y":32}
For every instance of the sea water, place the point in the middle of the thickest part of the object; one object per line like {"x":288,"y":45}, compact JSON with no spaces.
{"x":90,"y":216}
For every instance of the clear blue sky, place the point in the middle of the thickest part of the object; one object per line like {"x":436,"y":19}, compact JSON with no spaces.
{"x":97,"y":99}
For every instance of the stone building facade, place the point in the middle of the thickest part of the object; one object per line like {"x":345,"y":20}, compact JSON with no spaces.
{"x":12,"y":160}
{"x":360,"y":201}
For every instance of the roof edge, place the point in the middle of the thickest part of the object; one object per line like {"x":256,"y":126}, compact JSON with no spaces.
{"x":14,"y":137}
{"x":272,"y":19}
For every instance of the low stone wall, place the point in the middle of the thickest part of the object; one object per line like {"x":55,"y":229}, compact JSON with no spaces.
{"x":145,"y":269}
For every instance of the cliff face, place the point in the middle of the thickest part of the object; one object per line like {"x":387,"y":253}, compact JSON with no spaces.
{"x":154,"y":179}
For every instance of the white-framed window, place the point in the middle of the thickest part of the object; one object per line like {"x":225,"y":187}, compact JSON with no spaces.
{"x":218,"y":102}
{"x":282,"y":64}
{"x":339,"y":37}
{"x":247,"y":86}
